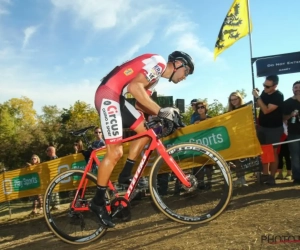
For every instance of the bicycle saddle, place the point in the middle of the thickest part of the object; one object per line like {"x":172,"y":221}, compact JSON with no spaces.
{"x":81,"y":132}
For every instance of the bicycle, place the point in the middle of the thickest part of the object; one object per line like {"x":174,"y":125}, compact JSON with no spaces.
{"x":190,"y":196}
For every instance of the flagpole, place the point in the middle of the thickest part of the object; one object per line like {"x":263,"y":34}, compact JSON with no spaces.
{"x":250,"y":42}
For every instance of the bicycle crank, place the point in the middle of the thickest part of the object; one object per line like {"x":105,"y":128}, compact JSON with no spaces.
{"x":76,"y":219}
{"x":120,"y":208}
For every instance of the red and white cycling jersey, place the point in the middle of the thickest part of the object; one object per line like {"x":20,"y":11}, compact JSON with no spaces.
{"x":114,"y":86}
{"x":150,"y":65}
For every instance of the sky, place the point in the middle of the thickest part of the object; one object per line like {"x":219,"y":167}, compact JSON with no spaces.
{"x":56,"y":51}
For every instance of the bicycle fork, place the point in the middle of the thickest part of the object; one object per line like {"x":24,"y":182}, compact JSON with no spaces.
{"x":173,"y":165}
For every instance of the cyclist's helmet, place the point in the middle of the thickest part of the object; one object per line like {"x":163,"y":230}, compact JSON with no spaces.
{"x":184,"y":57}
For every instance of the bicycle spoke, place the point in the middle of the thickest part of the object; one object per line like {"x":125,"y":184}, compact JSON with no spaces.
{"x":76,"y":227}
{"x":211,"y":185}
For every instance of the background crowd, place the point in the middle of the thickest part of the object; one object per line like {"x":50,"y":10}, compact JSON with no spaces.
{"x":278,"y":122}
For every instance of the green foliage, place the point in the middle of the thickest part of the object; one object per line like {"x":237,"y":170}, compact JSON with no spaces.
{"x":22,"y":112}
{"x":186,"y":117}
{"x":216,"y":108}
{"x":242,"y":92}
{"x":23,"y":132}
{"x":18,"y":120}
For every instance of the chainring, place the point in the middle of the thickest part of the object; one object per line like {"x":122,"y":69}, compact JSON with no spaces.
{"x":120,"y":208}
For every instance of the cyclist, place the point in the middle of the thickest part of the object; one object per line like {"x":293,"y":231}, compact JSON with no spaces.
{"x":137,"y":77}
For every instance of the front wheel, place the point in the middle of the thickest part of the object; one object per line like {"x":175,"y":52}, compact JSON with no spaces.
{"x":75,"y":227}
{"x":211,"y":184}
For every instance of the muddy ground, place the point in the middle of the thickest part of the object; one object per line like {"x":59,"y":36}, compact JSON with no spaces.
{"x":256,"y":212}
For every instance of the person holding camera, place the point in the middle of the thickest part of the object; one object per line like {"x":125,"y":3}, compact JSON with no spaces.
{"x":270,"y":126}
{"x":291,"y":114}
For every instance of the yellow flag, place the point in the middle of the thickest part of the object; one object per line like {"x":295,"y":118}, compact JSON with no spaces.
{"x":234,"y":27}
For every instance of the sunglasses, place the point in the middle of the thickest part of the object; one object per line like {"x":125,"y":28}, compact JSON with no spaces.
{"x":33,"y":159}
{"x":200,"y":107}
{"x":187,"y":70}
{"x":234,"y":99}
{"x":267,"y":86}
{"x":75,"y":144}
{"x":98,"y":132}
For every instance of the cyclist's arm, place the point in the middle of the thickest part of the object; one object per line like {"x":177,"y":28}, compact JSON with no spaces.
{"x":137,"y":88}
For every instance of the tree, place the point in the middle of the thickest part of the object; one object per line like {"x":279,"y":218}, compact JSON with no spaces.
{"x":18,"y":120}
{"x":50,"y":123}
{"x":186,"y":117}
{"x":78,"y":116}
{"x":21,"y":109}
{"x":23,"y":132}
{"x":81,"y":115}
{"x":216,"y":108}
{"x":7,"y":123}
{"x":242,"y":92}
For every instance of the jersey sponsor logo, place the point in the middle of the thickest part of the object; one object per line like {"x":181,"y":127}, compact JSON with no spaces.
{"x":128,"y":72}
{"x":157,"y":69}
{"x":110,"y":110}
{"x":150,"y":76}
{"x":154,"y":73}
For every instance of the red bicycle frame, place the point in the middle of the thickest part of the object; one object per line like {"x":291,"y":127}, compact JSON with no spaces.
{"x":155,"y":144}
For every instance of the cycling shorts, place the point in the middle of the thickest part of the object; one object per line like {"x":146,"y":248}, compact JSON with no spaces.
{"x":115,"y":114}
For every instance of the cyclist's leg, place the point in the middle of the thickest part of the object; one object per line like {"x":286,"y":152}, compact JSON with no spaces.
{"x":137,"y":146}
{"x":113,"y":153}
{"x":135,"y":149}
{"x":108,"y":106}
{"x":133,"y":119}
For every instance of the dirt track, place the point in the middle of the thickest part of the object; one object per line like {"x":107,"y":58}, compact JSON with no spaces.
{"x":254,"y":212}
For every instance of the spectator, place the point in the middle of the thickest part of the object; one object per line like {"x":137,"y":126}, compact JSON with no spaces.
{"x":78,"y":146}
{"x":235,"y":101}
{"x":34,"y":160}
{"x":195,"y":115}
{"x":291,"y":114}
{"x":200,"y":172}
{"x":37,"y":206}
{"x":269,"y":129}
{"x":201,"y":109}
{"x":99,"y":142}
{"x":284,"y":153}
{"x":51,"y":153}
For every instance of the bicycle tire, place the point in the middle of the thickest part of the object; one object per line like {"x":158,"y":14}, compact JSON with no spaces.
{"x":63,"y":222}
{"x":181,"y":204}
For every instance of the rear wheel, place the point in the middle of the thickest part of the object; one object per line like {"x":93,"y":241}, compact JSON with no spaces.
{"x":211,"y":184}
{"x":75,"y":227}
